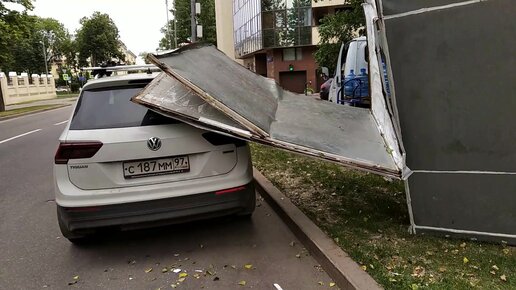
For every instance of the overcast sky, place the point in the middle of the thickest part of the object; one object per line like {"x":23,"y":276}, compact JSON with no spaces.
{"x":138,"y":22}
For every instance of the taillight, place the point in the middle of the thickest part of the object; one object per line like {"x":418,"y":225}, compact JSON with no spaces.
{"x":240,"y":188}
{"x":76,"y":150}
{"x":219,"y":139}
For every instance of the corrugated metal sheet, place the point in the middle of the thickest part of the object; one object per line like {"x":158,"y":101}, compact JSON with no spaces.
{"x":209,"y":90}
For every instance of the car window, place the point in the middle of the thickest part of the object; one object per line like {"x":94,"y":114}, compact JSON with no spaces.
{"x":112,"y":108}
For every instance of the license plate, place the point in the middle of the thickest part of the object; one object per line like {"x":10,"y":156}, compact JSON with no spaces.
{"x":153,"y":167}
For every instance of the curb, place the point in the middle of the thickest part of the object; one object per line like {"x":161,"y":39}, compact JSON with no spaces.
{"x":33,"y":112}
{"x":346,"y":273}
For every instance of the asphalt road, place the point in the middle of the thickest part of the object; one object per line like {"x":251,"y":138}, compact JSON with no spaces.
{"x":34,"y":255}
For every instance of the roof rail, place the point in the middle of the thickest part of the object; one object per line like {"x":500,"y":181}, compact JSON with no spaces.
{"x":134,"y":67}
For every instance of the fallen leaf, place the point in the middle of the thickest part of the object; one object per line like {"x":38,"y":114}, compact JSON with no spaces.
{"x":336,"y":240}
{"x":492,"y":272}
{"x":463,"y":245}
{"x":76,"y":277}
{"x":364,"y":267}
{"x":248,"y":266}
{"x":181,"y":280}
{"x":242,"y":283}
{"x":210,"y":272}
{"x":183,"y":275}
{"x":418,"y":272}
{"x":442,"y":269}
{"x":320,"y":283}
{"x":332,"y":284}
{"x":148,"y":270}
{"x":371,"y":266}
{"x":233,"y":266}
{"x":164,"y":270}
{"x":455,"y":252}
{"x":173,"y":285}
{"x":505,"y":251}
{"x":474,"y":282}
{"x":414,"y":286}
{"x":503,"y":278}
{"x":176,"y":270}
{"x":196,"y":276}
{"x":465,"y":260}
{"x":298,"y":256}
{"x":495,"y":267}
{"x":392,"y":280}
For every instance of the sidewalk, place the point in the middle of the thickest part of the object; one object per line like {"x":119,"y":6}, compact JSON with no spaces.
{"x":63,"y":101}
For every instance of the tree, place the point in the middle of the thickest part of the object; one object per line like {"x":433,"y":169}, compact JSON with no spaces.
{"x":336,"y":29}
{"x":143,"y":55}
{"x":183,"y":31}
{"x":98,"y":39}
{"x":13,"y":27}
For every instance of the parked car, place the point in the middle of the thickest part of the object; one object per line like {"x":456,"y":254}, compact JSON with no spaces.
{"x":121,"y":165}
{"x":325,"y":89}
{"x":62,"y":89}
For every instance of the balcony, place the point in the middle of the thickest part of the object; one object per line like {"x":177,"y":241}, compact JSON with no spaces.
{"x":327,"y":3}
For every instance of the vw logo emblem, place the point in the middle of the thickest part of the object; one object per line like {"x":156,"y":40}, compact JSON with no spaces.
{"x":154,"y":143}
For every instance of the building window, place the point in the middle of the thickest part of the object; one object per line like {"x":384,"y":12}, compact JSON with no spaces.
{"x":290,"y":54}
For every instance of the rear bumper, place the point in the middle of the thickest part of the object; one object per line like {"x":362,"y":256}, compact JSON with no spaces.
{"x":157,"y":212}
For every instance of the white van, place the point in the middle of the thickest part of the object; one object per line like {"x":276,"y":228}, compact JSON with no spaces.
{"x":352,"y":61}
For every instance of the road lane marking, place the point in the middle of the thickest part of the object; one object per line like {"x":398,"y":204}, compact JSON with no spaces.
{"x":16,"y":118}
{"x":21,"y":135}
{"x":57,"y":124}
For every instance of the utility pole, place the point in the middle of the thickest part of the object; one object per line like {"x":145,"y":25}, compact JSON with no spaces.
{"x":193,"y":21}
{"x":168,"y":25}
{"x":173,"y":10}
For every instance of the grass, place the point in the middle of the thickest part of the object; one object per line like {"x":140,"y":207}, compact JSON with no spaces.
{"x":25,"y":110}
{"x":367,"y":216}
{"x":67,"y":95}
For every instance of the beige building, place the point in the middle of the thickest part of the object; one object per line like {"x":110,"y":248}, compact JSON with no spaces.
{"x":224,"y":25}
{"x":276,"y":39}
{"x":130,"y":57}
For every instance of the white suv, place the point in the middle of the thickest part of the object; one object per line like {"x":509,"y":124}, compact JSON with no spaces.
{"x":121,"y":165}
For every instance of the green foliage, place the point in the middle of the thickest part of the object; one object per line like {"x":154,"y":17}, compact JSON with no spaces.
{"x":183,"y":27}
{"x":98,"y":39}
{"x":336,"y":29}
{"x":143,"y":55}
{"x":27,"y":4}
{"x":23,"y":37}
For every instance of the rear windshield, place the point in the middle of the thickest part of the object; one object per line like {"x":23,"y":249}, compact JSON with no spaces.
{"x":112,"y":108}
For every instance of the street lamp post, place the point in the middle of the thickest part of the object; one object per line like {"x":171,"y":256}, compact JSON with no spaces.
{"x":45,"y":57}
{"x":49,"y":35}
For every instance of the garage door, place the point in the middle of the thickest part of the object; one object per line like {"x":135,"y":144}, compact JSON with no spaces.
{"x":293,"y":81}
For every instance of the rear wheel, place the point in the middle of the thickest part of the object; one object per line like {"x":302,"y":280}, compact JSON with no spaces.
{"x":251,"y":205}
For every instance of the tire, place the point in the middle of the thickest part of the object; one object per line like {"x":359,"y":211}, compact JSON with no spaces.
{"x":251,"y":205}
